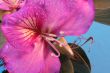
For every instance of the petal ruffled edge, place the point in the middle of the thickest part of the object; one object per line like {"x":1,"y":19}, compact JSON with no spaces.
{"x":37,"y":61}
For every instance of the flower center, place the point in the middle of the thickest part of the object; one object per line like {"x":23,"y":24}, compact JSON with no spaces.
{"x":50,"y":39}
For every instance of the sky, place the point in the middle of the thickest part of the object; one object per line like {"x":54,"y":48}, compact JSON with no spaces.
{"x":99,"y":54}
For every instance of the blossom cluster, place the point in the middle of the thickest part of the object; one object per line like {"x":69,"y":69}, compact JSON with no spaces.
{"x":32,"y":27}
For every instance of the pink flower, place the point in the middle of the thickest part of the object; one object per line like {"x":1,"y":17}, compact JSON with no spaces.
{"x":11,"y":4}
{"x":31,"y":32}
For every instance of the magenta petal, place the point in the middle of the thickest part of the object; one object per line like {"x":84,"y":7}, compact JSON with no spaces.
{"x":37,"y":61}
{"x":51,"y":16}
{"x":11,"y":3}
{"x":72,"y":17}
{"x":19,"y":27}
{"x":3,"y":6}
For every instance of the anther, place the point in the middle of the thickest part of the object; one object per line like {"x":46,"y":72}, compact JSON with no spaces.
{"x":62,"y":32}
{"x":92,"y":41}
{"x":61,"y":45}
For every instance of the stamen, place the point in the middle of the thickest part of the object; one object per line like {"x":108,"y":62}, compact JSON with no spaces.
{"x":51,"y":38}
{"x":90,"y":38}
{"x":82,"y":38}
{"x":58,"y":53}
{"x":57,"y":41}
{"x":62,"y":32}
{"x":77,"y":41}
{"x":60,"y":43}
{"x":50,"y":35}
{"x":92,"y":41}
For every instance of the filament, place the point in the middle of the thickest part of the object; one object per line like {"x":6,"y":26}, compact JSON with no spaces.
{"x":56,"y":50}
{"x":51,"y":38}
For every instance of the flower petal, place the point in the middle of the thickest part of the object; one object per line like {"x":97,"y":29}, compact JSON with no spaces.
{"x":67,"y":17}
{"x":3,"y":5}
{"x":11,"y":3}
{"x":73,"y":17}
{"x":21,"y":28}
{"x":37,"y":61}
